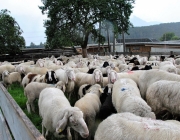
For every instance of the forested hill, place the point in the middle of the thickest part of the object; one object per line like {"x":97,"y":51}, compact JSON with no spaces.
{"x":154,"y":31}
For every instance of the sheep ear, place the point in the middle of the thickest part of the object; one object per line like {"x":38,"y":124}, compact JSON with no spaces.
{"x":100,"y":90}
{"x":61,"y":125}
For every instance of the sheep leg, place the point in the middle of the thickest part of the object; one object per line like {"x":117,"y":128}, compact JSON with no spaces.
{"x":46,"y":133}
{"x":42,"y":129}
{"x":28,"y":107}
{"x":90,"y":122}
{"x":32,"y":107}
{"x":69,"y":136}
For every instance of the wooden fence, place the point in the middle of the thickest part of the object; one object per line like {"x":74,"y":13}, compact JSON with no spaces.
{"x":14,"y":124}
{"x":34,"y":54}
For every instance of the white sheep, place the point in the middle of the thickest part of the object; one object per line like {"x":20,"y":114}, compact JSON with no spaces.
{"x":85,"y":78}
{"x":168,"y":66}
{"x":8,"y":67}
{"x":57,"y":113}
{"x":164,"y":94}
{"x":126,"y":98}
{"x":68,"y":77}
{"x":33,"y":89}
{"x":127,"y":126}
{"x":90,"y":105}
{"x":9,"y":78}
{"x":149,"y":77}
{"x":25,"y":69}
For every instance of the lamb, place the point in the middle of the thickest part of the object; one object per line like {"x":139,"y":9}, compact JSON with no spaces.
{"x":57,"y":114}
{"x":84,"y":78}
{"x":90,"y":105}
{"x":164,"y":95}
{"x":149,"y":77}
{"x":127,"y":126}
{"x":9,"y":78}
{"x":33,"y":89}
{"x":126,"y":98}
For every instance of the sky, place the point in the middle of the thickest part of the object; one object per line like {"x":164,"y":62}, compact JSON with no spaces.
{"x":29,"y":16}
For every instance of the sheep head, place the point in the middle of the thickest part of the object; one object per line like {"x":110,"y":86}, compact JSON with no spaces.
{"x":98,"y":77}
{"x":73,"y":117}
{"x":112,"y":76}
{"x":70,"y":75}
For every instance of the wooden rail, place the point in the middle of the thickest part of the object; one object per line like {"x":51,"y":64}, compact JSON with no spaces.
{"x":14,"y":124}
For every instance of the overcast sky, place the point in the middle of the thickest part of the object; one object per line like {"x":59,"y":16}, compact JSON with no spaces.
{"x":30,"y":18}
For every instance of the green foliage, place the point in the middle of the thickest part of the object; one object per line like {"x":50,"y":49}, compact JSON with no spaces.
{"x":71,"y":22}
{"x":167,"y":36}
{"x":11,"y":40}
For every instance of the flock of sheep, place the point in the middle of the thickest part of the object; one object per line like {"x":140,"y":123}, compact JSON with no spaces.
{"x":136,"y":98}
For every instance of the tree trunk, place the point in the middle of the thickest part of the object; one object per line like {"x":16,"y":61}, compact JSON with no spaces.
{"x":108,"y":40}
{"x":84,"y":52}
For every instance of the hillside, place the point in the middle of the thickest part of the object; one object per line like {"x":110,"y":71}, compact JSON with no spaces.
{"x":154,"y":31}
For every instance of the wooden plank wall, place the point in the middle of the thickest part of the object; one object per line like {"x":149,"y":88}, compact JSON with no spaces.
{"x":20,"y":125}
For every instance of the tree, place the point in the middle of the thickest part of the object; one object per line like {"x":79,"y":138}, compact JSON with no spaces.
{"x":11,"y":40}
{"x":167,"y":36}
{"x":71,"y":22}
{"x":32,"y":44}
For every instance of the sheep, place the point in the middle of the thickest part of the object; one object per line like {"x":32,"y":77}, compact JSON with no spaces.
{"x":30,"y":77}
{"x":127,"y":126}
{"x":26,"y":69}
{"x":68,"y":77}
{"x":126,"y":98}
{"x":33,"y":89}
{"x":164,"y":94}
{"x":168,"y":66}
{"x":148,"y":77}
{"x":90,"y":105}
{"x":134,"y":75}
{"x":9,"y":78}
{"x":57,"y":114}
{"x":8,"y":67}
{"x":84,"y":78}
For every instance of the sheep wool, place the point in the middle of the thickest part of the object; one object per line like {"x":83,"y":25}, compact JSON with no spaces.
{"x":127,"y":126}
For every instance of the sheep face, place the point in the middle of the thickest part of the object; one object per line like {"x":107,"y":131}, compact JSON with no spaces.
{"x":71,"y":75}
{"x":5,"y":73}
{"x":51,"y":77}
{"x":112,"y":76}
{"x":74,"y":119}
{"x":77,"y":122}
{"x":98,"y":76}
